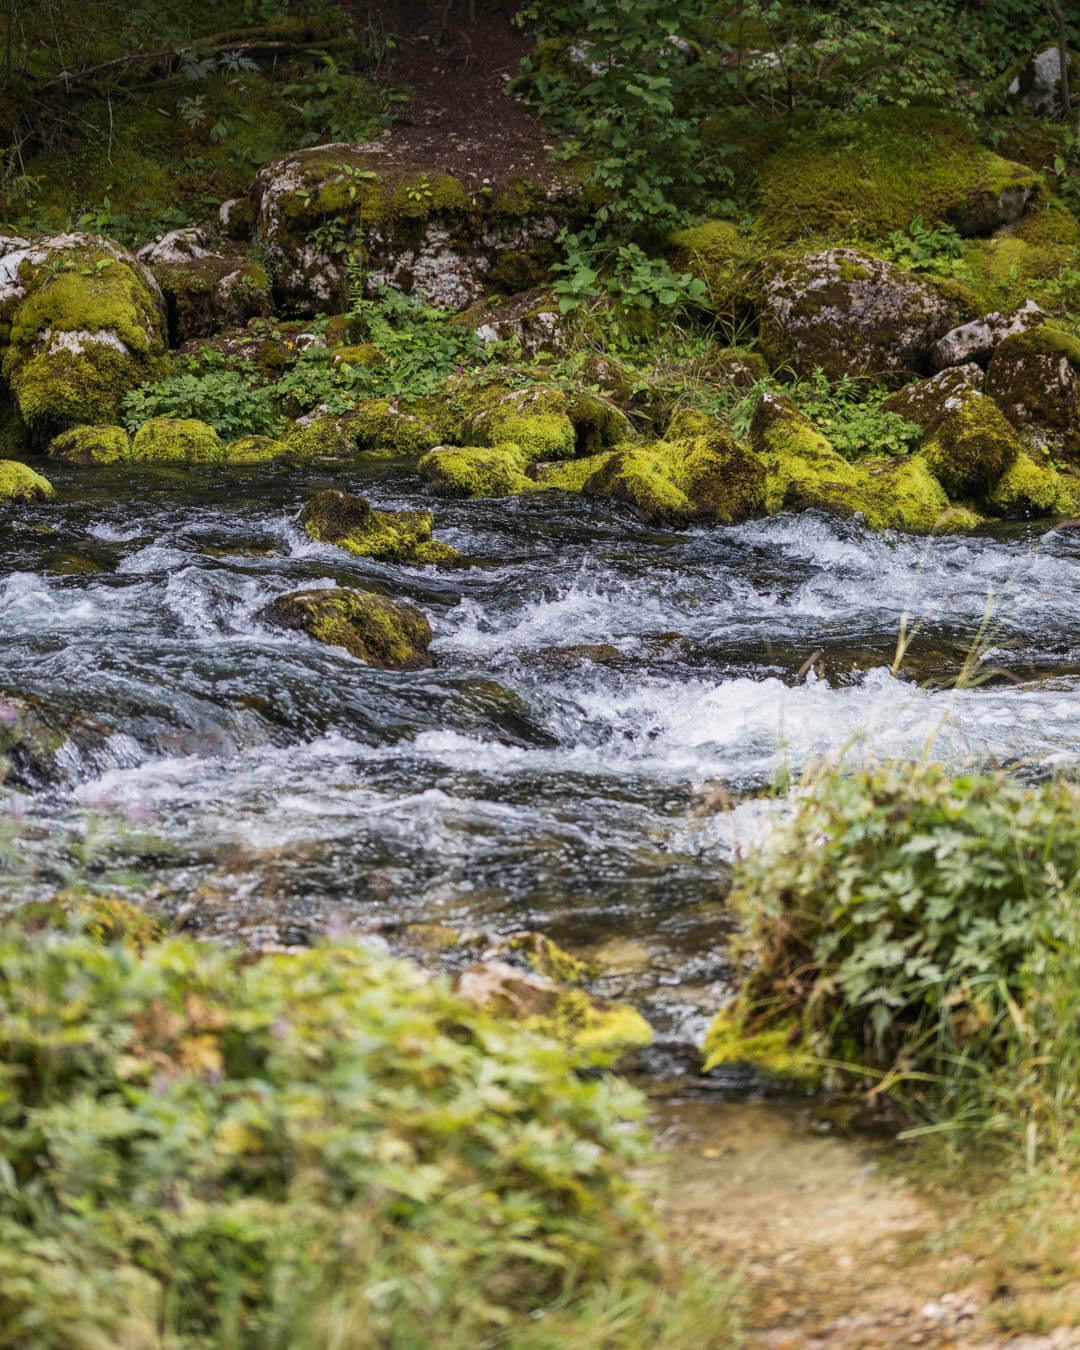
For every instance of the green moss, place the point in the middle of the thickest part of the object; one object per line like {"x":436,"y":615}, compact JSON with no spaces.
{"x":778,"y":1051}
{"x":569,"y":475}
{"x":535,"y":420}
{"x":603,"y":1030}
{"x":476,"y":471}
{"x":206,"y":295}
{"x":326,"y":437}
{"x":254,"y":450}
{"x":793,"y":450}
{"x":91,"y":445}
{"x":382,"y":632}
{"x":365,"y":355}
{"x":177,"y":438}
{"x":1033,"y":487}
{"x":407,"y":426}
{"x":1033,"y":259}
{"x":867,"y":174}
{"x":547,"y":958}
{"x":19,"y":483}
{"x":971,"y":446}
{"x":350,"y":522}
{"x":716,"y":254}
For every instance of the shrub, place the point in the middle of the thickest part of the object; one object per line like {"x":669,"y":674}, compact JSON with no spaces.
{"x":902,"y":921}
{"x":205,"y":389}
{"x":198,"y":1149}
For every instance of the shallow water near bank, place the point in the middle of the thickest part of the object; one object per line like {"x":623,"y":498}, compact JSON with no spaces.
{"x":600,"y":686}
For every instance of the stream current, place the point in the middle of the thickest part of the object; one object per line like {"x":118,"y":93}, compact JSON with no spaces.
{"x":601,"y":687}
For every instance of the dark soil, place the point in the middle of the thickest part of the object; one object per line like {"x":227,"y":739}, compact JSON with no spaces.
{"x":454,"y":58}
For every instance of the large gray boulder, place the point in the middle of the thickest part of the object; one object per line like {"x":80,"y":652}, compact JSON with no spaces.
{"x":975,"y":341}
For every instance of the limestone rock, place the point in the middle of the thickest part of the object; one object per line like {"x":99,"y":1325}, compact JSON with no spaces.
{"x":975,"y":341}
{"x":382,"y":632}
{"x":1034,"y":377}
{"x":971,"y":446}
{"x":925,"y":402}
{"x":1037,"y":84}
{"x":850,"y":314}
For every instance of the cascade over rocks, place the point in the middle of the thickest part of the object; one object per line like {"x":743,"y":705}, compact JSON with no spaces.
{"x":850,"y":314}
{"x":382,"y":632}
{"x":419,"y":229}
{"x":81,"y":323}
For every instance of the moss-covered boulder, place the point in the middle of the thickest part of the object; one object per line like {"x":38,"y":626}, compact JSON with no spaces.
{"x":419,"y":230}
{"x":1034,"y":378}
{"x":543,"y":421}
{"x":205,"y":292}
{"x":408,"y":426}
{"x":976,"y":339}
{"x":320,"y":437}
{"x":177,"y":438}
{"x":477,"y":471}
{"x":19,"y":483}
{"x":867,"y":174}
{"x":91,"y":445}
{"x":254,"y":450}
{"x":350,"y":522}
{"x":86,"y":326}
{"x":850,"y":314}
{"x":539,"y":1003}
{"x":383,"y":632}
{"x":702,"y":475}
{"x":531,"y":319}
{"x":804,"y":472}
{"x":1033,"y":259}
{"x":716,"y":254}
{"x":1031,"y":487}
{"x":925,"y":402}
{"x":971,"y":446}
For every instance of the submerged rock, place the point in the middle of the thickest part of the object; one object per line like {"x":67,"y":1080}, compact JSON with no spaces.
{"x":86,"y":326}
{"x":1034,"y":377}
{"x":19,"y":483}
{"x":850,"y":314}
{"x":386,"y":633}
{"x":41,"y":745}
{"x":91,"y":445}
{"x":350,"y":522}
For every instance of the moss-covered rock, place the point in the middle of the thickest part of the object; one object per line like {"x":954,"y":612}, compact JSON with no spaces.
{"x":406,"y":426}
{"x":530,"y":318}
{"x":385,"y":633}
{"x":716,"y":254}
{"x":1034,"y":378}
{"x":1033,"y":259}
{"x":476,"y":471}
{"x":976,"y":339}
{"x":1033,"y":487}
{"x":91,"y":445}
{"x":971,"y":446}
{"x":778,"y":1050}
{"x":850,"y":314}
{"x":925,"y":402}
{"x":212,"y":294}
{"x":322,"y":437}
{"x":418,"y":231}
{"x":86,"y":326}
{"x":864,"y":175}
{"x":177,"y":438}
{"x":544,"y":422}
{"x":363,"y":354}
{"x":19,"y":483}
{"x":350,"y":522}
{"x":254,"y":450}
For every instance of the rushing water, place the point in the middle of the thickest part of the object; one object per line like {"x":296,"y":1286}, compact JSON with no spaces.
{"x":598,"y":684}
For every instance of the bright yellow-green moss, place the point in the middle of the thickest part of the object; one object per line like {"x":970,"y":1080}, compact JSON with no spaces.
{"x":547,"y":958}
{"x":477,"y":471}
{"x":333,"y":517}
{"x":606,"y":1030}
{"x":535,"y":420}
{"x":177,"y":438}
{"x":570,"y":475}
{"x":19,"y":483}
{"x":364,"y":355}
{"x":1032,"y":487}
{"x":383,"y":632}
{"x":778,"y":1051}
{"x":716,"y":254}
{"x":793,"y":450}
{"x":866,"y":174}
{"x":91,"y":445}
{"x":1034,"y":259}
{"x":326,"y":437}
{"x":971,"y":446}
{"x":408,"y":426}
{"x":254,"y":450}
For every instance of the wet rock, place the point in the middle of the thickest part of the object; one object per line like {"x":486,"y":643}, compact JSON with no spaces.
{"x":419,"y":230}
{"x":386,"y":633}
{"x":592,"y":1025}
{"x":40,"y":745}
{"x":177,"y":438}
{"x":477,"y":471}
{"x":350,"y":522}
{"x":971,"y":445}
{"x":926,"y":402}
{"x":1034,"y":377}
{"x":19,"y":483}
{"x":86,"y":326}
{"x":975,"y":341}
{"x":91,"y":445}
{"x":850,"y":314}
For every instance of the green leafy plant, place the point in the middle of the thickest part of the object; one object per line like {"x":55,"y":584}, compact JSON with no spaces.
{"x":923,"y":248}
{"x":231,"y":400}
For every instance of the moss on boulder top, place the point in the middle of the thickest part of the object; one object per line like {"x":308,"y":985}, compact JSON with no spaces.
{"x":19,"y":483}
{"x":177,"y":438}
{"x":718,"y":255}
{"x":350,"y":522}
{"x":86,"y":326}
{"x":971,"y":446}
{"x":91,"y":445}
{"x":385,"y":633}
{"x":867,"y":174}
{"x":850,"y":314}
{"x":925,"y":402}
{"x":543,"y":421}
{"x":477,"y":471}
{"x":1034,"y":487}
{"x":1034,"y":377}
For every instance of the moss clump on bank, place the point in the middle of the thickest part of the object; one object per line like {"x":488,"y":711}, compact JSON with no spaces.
{"x":19,"y":483}
{"x":177,"y":438}
{"x":382,"y":632}
{"x":351,"y":523}
{"x":91,"y":445}
{"x":322,"y":1138}
{"x":477,"y":471}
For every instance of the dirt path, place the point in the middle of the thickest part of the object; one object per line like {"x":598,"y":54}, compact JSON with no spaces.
{"x":832,"y":1246}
